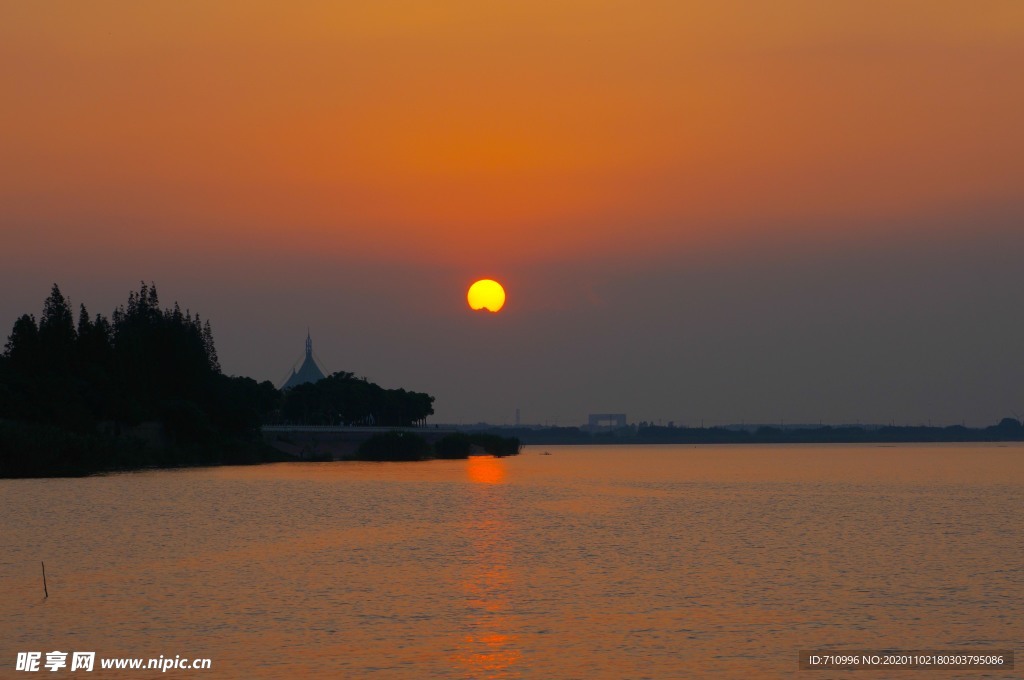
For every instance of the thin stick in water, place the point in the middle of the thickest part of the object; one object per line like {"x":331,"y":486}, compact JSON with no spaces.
{"x":45,"y":592}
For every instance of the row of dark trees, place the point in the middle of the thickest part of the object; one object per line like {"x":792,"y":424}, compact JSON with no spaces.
{"x":343,"y":399}
{"x":72,"y":393}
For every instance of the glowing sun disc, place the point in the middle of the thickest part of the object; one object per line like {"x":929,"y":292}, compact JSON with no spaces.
{"x":486,"y":294}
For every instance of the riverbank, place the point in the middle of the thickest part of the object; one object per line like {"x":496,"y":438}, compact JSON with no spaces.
{"x":382,"y":443}
{"x":32,"y":450}
{"x":38,"y":450}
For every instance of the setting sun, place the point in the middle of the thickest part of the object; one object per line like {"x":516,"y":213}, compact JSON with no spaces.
{"x":486,"y":294}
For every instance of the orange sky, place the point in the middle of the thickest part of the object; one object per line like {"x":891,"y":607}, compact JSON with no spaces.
{"x":525,"y":128}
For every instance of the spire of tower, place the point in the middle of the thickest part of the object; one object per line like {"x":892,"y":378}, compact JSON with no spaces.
{"x":309,"y":372}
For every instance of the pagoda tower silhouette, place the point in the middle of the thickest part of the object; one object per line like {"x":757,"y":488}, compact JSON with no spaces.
{"x":309,"y":372}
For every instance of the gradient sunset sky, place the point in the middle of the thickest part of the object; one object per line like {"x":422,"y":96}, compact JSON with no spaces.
{"x":725,"y":211}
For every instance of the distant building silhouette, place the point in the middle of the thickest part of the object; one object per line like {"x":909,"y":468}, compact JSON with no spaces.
{"x":309,"y":372}
{"x":597,"y":422}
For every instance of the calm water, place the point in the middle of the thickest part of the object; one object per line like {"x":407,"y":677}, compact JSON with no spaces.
{"x":631,"y":562}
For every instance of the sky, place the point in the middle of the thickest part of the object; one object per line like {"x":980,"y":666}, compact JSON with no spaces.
{"x":717,"y":212}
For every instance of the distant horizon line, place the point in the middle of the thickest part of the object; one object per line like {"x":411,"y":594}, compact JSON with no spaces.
{"x":740,"y":426}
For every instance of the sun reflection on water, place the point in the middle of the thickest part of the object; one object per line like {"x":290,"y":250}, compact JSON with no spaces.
{"x":488,"y":649}
{"x":485,"y":469}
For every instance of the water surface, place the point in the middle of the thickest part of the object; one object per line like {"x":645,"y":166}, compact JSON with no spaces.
{"x":606,"y":562}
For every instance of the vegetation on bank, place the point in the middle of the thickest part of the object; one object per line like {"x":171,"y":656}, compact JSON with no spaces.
{"x":462,"y":445}
{"x":396,"y":446}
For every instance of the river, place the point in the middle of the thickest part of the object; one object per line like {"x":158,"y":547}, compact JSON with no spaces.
{"x":563,"y":562}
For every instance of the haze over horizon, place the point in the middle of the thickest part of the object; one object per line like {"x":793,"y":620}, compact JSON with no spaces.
{"x":700,"y":211}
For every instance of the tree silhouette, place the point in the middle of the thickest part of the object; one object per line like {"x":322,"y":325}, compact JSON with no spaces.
{"x":343,"y":399}
{"x":65,"y":390}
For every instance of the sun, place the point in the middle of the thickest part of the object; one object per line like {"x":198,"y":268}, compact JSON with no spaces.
{"x":486,"y":294}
